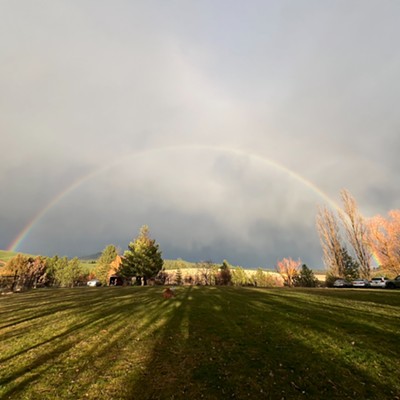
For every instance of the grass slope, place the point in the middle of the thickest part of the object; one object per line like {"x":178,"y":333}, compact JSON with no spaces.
{"x":208,"y":342}
{"x":6,"y":255}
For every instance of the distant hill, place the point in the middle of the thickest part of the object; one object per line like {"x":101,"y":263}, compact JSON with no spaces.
{"x":6,"y":255}
{"x":90,"y":257}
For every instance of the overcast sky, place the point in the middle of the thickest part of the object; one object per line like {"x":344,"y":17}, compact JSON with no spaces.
{"x":220,"y":124}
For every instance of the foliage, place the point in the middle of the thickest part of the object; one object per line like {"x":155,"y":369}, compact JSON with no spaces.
{"x":288,"y":269}
{"x":263,"y":279}
{"x":224,"y":276}
{"x":384,"y":238}
{"x":350,"y":266}
{"x":143,"y":259}
{"x":114,"y":267}
{"x":330,"y":279}
{"x":305,"y":278}
{"x":28,"y":272}
{"x":68,"y":273}
{"x":102,"y":270}
{"x":239,"y":277}
{"x":51,"y":263}
{"x":349,"y":270}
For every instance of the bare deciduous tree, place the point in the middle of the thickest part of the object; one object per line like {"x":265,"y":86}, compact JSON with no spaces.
{"x":207,"y":272}
{"x":356,"y":232}
{"x":331,"y":241}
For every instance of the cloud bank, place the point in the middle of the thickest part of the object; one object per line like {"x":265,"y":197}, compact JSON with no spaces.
{"x":182,"y":102}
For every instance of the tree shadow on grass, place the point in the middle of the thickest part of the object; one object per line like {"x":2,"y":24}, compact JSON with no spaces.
{"x":238,"y":343}
{"x":376,"y":296}
{"x":97,"y":325}
{"x":213,"y":343}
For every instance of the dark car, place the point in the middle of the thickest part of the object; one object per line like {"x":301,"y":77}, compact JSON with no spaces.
{"x":393,"y":283}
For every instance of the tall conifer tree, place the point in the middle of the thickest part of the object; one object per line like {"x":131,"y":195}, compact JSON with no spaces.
{"x":143,"y":258}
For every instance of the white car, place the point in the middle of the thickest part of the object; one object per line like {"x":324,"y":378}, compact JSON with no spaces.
{"x":360,"y":283}
{"x":94,"y":282}
{"x":378,"y":282}
{"x":342,"y":283}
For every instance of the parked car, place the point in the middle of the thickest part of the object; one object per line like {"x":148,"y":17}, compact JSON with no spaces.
{"x":393,"y":283}
{"x":378,"y":282}
{"x":342,"y":283}
{"x":361,"y":283}
{"x":94,"y":282}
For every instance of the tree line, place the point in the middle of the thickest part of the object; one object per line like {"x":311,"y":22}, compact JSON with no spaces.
{"x":142,"y":262}
{"x":25,"y":272}
{"x":349,"y":240}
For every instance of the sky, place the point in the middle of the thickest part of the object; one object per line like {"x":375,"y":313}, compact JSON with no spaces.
{"x":222,"y":125}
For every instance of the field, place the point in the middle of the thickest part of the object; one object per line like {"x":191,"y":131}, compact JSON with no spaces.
{"x":207,"y":342}
{"x":6,"y":256}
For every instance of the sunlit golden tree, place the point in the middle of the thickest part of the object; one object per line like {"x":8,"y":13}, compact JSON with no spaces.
{"x":28,"y":271}
{"x":288,"y":269}
{"x":103,"y":267}
{"x":384,"y":239}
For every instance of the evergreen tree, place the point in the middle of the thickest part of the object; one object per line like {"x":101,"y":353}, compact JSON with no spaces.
{"x":349,"y":269}
{"x":142,"y":259}
{"x":178,"y":277}
{"x":102,"y":270}
{"x":305,"y":278}
{"x":350,"y":266}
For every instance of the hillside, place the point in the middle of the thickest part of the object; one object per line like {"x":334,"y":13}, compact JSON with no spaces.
{"x":6,"y":256}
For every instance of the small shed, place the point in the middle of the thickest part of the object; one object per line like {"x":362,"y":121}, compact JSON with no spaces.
{"x":115,"y":280}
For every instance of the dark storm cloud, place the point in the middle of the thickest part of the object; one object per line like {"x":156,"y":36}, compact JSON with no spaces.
{"x":310,"y":86}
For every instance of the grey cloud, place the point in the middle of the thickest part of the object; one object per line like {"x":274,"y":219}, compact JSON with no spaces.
{"x":310,"y":86}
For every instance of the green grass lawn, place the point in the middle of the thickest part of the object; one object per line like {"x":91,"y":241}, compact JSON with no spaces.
{"x":208,"y":342}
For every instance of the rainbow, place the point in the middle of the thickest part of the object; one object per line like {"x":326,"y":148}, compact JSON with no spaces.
{"x":24,"y":233}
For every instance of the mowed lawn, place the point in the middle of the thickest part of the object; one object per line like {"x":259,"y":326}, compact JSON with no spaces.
{"x":208,"y":342}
